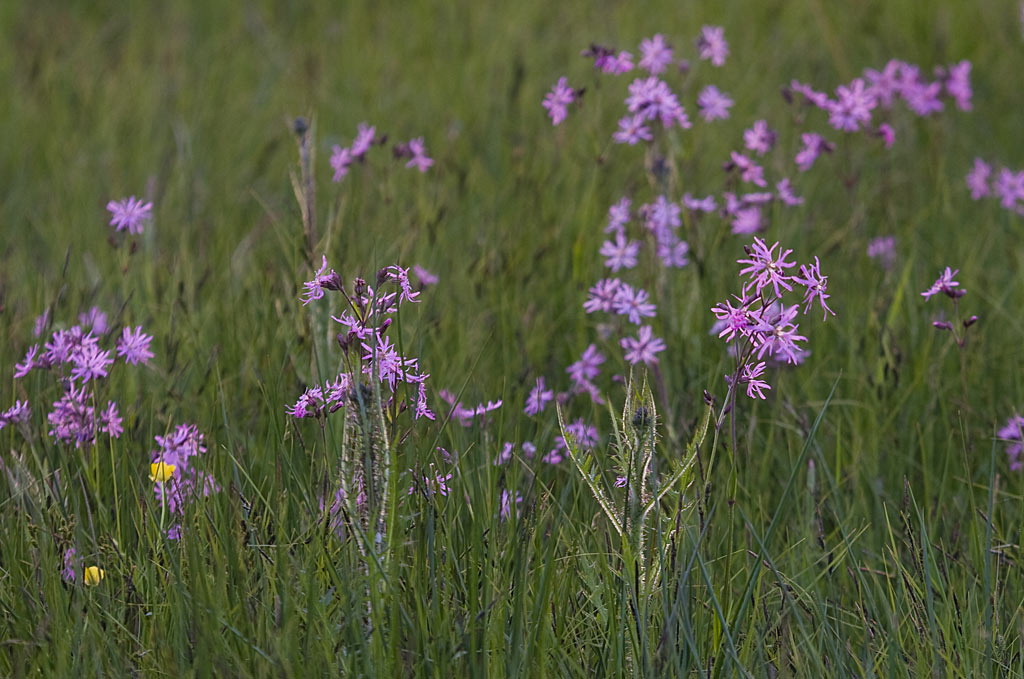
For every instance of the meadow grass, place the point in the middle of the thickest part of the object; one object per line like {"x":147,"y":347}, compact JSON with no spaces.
{"x":865,"y":524}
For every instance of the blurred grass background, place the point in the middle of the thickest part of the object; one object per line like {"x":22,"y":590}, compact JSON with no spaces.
{"x":899,"y":555}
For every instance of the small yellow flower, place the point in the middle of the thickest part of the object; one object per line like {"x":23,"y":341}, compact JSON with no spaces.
{"x":160,"y":472}
{"x":93,"y":575}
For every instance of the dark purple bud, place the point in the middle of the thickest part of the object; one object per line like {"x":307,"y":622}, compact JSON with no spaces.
{"x":383,"y":276}
{"x":300,"y":126}
{"x":709,"y":399}
{"x":943,"y":325}
{"x":787,"y":94}
{"x":384,"y":326}
{"x":955,"y":293}
{"x":332,"y":281}
{"x":344,"y":340}
{"x":641,"y":418}
{"x":970,"y":321}
{"x":360,"y":287}
{"x":683,"y":66}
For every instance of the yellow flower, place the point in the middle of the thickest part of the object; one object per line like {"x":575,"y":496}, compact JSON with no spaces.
{"x":160,"y":472}
{"x":93,"y":575}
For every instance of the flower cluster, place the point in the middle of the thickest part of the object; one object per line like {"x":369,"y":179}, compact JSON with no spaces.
{"x":367,"y":316}
{"x":343,"y":157}
{"x":758,"y":323}
{"x":176,"y":481}
{"x":78,"y":355}
{"x":584,"y":436}
{"x":853,"y":107}
{"x":1006,"y":185}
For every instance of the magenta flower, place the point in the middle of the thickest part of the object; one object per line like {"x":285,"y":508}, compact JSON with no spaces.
{"x":365,"y":137}
{"x":655,"y":54}
{"x":785,"y":190}
{"x":643,"y":348}
{"x":713,"y":104}
{"x":978,"y":179}
{"x":129,"y":214}
{"x":538,"y":398}
{"x":776,"y":335}
{"x":958,"y":84}
{"x":814,"y":145}
{"x":134,"y":345}
{"x":1012,"y":433}
{"x":733,"y":320}
{"x":632,"y":130}
{"x":558,"y":99}
{"x":310,"y":404}
{"x":852,"y":109}
{"x":883,"y":249}
{"x":322,"y":280}
{"x":19,"y":412}
{"x":95,"y":320}
{"x":25,"y":366}
{"x":90,"y":363}
{"x":885,"y":84}
{"x":602,"y":295}
{"x":887,"y":133}
{"x":422,"y":410}
{"x":760,"y":138}
{"x":746,"y":220}
{"x":816,"y":286}
{"x":1009,"y":187}
{"x":749,"y":170}
{"x":765,"y":269}
{"x":813,"y":97}
{"x":111,"y":422}
{"x":651,"y":98}
{"x":711,"y":45}
{"x":383,"y":360}
{"x":583,"y":435}
{"x":419,"y":158}
{"x":426,"y":277}
{"x":706,"y":204}
{"x":588,"y":367}
{"x":946,"y":285}
{"x":750,"y":375}
{"x":42,"y":320}
{"x":341,"y":159}
{"x":633,"y":303}
{"x":607,"y":61}
{"x":401,"y":276}
{"x":618,"y":216}
{"x":621,"y":254}
{"x":662,"y":215}
{"x":671,"y":251}
{"x":506,"y":504}
{"x":922,"y":98}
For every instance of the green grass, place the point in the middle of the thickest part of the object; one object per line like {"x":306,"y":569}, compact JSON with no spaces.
{"x":866,"y":525}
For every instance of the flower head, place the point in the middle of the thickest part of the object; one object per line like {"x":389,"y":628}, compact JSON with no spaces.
{"x":134,"y":345}
{"x":558,"y":99}
{"x":713,"y":104}
{"x":643,"y":348}
{"x":946,"y":285}
{"x":538,"y":398}
{"x":655,"y":54}
{"x":94,"y":575}
{"x":129,"y":214}
{"x":711,"y":45}
{"x":160,"y":472}
{"x":765,"y":268}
